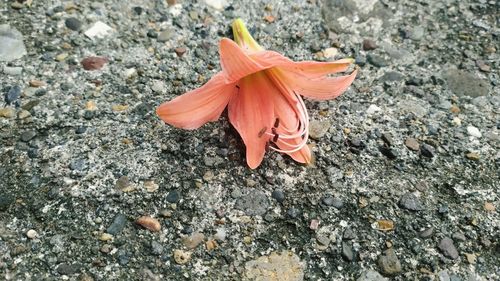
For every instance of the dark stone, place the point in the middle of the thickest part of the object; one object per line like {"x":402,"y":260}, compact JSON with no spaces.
{"x":39,"y":93}
{"x":117,"y":225}
{"x":377,"y":61}
{"x":348,"y":234}
{"x":410,"y":202}
{"x":427,"y":150}
{"x":33,"y":152}
{"x":187,"y":229}
{"x":26,"y":136}
{"x":138,"y":10}
{"x":389,"y":263}
{"x":13,"y":94}
{"x":360,"y":60}
{"x":391,"y":76}
{"x":347,"y":253}
{"x":462,"y":83}
{"x":448,"y":248}
{"x":253,"y":203}
{"x":293,"y":213}
{"x":390,"y":153}
{"x":80,"y":130}
{"x":73,"y":24}
{"x":278,"y":195}
{"x":387,"y":139}
{"x":152,"y":34}
{"x":5,"y":201}
{"x":415,"y":81}
{"x":426,"y":233}
{"x":369,"y":44}
{"x":173,"y":196}
{"x":332,"y":201}
{"x":443,"y":209}
{"x":68,"y":269}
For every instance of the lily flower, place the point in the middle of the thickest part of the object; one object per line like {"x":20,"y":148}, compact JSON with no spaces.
{"x":262,"y":90}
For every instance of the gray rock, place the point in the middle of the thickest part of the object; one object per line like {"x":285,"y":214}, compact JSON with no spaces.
{"x":26,"y":136}
{"x":448,"y":248}
{"x":427,"y":150}
{"x":117,"y":225}
{"x":173,"y":196}
{"x":68,"y":269}
{"x":377,"y":60}
{"x":389,"y":263}
{"x":253,"y":203}
{"x":463,"y":83}
{"x":73,"y":24}
{"x":410,"y":202}
{"x":347,"y":252}
{"x":156,"y":248}
{"x":13,"y":70}
{"x":278,"y":195}
{"x":11,"y":43}
{"x":13,"y":94}
{"x":371,"y":275}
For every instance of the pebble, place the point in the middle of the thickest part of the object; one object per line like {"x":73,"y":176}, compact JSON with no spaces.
{"x":427,"y":150}
{"x":483,"y":66}
{"x":372,"y":109}
{"x":173,"y":196}
{"x":347,"y":252}
{"x":180,"y":51}
{"x":193,"y":240}
{"x":13,"y":94}
{"x":369,"y":44}
{"x":220,"y":234}
{"x":376,"y":60}
{"x":389,"y":263}
{"x":412,"y":144}
{"x":165,"y":35}
{"x":385,"y":225}
{"x":99,"y":30}
{"x":26,"y":136}
{"x":182,"y":257}
{"x":332,"y":201}
{"x":276,"y":266}
{"x":217,"y":4}
{"x":448,"y":248}
{"x":278,"y":195}
{"x":458,"y":236}
{"x":61,"y":57}
{"x":31,"y":234}
{"x":471,"y":258}
{"x":151,"y":186}
{"x":117,"y":225}
{"x":255,"y":203}
{"x":389,"y":152}
{"x":7,"y":112}
{"x":156,"y":248}
{"x":371,"y":275}
{"x":473,"y":132}
{"x":23,"y":114}
{"x":489,"y":207}
{"x":462,"y":83}
{"x":426,"y":233}
{"x":73,"y":23}
{"x":317,"y":129}
{"x":330,"y":52}
{"x":68,"y":269}
{"x":149,"y":223}
{"x":11,"y":43}
{"x":13,"y":70}
{"x":123,"y":184}
{"x":410,"y":202}
{"x":158,"y":87}
{"x":106,"y":237}
{"x":473,"y":156}
{"x":93,"y":63}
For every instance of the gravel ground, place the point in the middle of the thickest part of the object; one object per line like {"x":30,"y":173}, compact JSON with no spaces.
{"x":93,"y":186}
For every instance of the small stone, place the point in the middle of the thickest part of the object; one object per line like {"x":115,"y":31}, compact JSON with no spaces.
{"x":23,"y":114}
{"x":193,"y":240}
{"x":117,"y":225}
{"x":372,"y":109}
{"x":276,"y":266}
{"x":31,"y":234}
{"x":317,"y":129}
{"x":410,"y":202}
{"x":73,"y":23}
{"x":332,"y":201}
{"x":270,"y":18}
{"x":26,"y":136}
{"x":323,"y":240}
{"x":376,"y":60}
{"x":412,"y":144}
{"x":426,"y":233}
{"x":387,"y":139}
{"x":220,"y":234}
{"x":7,"y":112}
{"x":347,"y":252}
{"x":448,"y":248}
{"x":314,"y":224}
{"x":78,"y":165}
{"x":5,"y":201}
{"x":106,"y":237}
{"x":151,"y":186}
{"x":13,"y":94}
{"x":193,"y":15}
{"x":489,"y":207}
{"x":123,"y":184}
{"x":149,"y":223}
{"x":158,"y":87}
{"x":13,"y":70}
{"x":455,"y":109}
{"x":459,"y":236}
{"x":473,"y":132}
{"x":165,"y":35}
{"x":180,"y":51}
{"x":61,"y":57}
{"x":211,"y":245}
{"x":173,"y":196}
{"x":17,"y":5}
{"x":254,"y":203}
{"x":182,"y":257}
{"x":471,"y":258}
{"x":330,"y":53}
{"x":278,"y":195}
{"x":152,"y":33}
{"x":371,"y":275}
{"x":483,"y":66}
{"x":91,"y":105}
{"x":369,"y":45}
{"x":473,"y":156}
{"x":217,"y":4}
{"x":11,"y":43}
{"x":156,"y":248}
{"x":462,"y":83}
{"x":93,"y":63}
{"x":427,"y":150}
{"x":389,"y":263}
{"x":99,"y":30}
{"x":389,"y":152}
{"x":119,"y":107}
{"x":68,"y":269}
{"x":385,"y":225}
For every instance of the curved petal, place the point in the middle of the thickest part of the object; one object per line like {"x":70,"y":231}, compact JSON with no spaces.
{"x":197,"y":107}
{"x":319,"y":89}
{"x":235,"y":62}
{"x":251,"y":113}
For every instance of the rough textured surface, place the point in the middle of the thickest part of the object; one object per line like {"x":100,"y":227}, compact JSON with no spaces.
{"x":83,"y":156}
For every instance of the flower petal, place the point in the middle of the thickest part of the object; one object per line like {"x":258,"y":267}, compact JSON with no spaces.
{"x":319,"y":89}
{"x":235,"y":63}
{"x":199,"y":106}
{"x":251,"y":113}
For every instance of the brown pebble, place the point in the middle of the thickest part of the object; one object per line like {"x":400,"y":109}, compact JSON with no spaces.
{"x":489,"y":207}
{"x":369,"y":45}
{"x":270,"y":18}
{"x":180,"y":51}
{"x":314,"y":224}
{"x":412,"y":144}
{"x":181,"y":257}
{"x":385,"y":225}
{"x":149,"y":223}
{"x":483,"y":66}
{"x":455,"y":109}
{"x":211,"y":244}
{"x":473,"y":156}
{"x":36,"y":83}
{"x":193,"y":240}
{"x":7,"y":112}
{"x":93,"y":63}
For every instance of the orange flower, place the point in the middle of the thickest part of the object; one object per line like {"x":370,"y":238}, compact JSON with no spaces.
{"x":262,"y":91}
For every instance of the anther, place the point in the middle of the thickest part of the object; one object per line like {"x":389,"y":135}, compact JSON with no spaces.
{"x":262,"y":131}
{"x":275,"y":138}
{"x":277,"y":123}
{"x":238,"y":87}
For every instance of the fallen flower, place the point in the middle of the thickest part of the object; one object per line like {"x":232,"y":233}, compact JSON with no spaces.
{"x":262,"y":91}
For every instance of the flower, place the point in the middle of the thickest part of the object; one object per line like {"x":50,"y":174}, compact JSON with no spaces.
{"x":262,"y":90}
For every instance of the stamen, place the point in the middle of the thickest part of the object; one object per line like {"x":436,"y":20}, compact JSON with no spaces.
{"x":275,"y":138}
{"x":262,"y":131}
